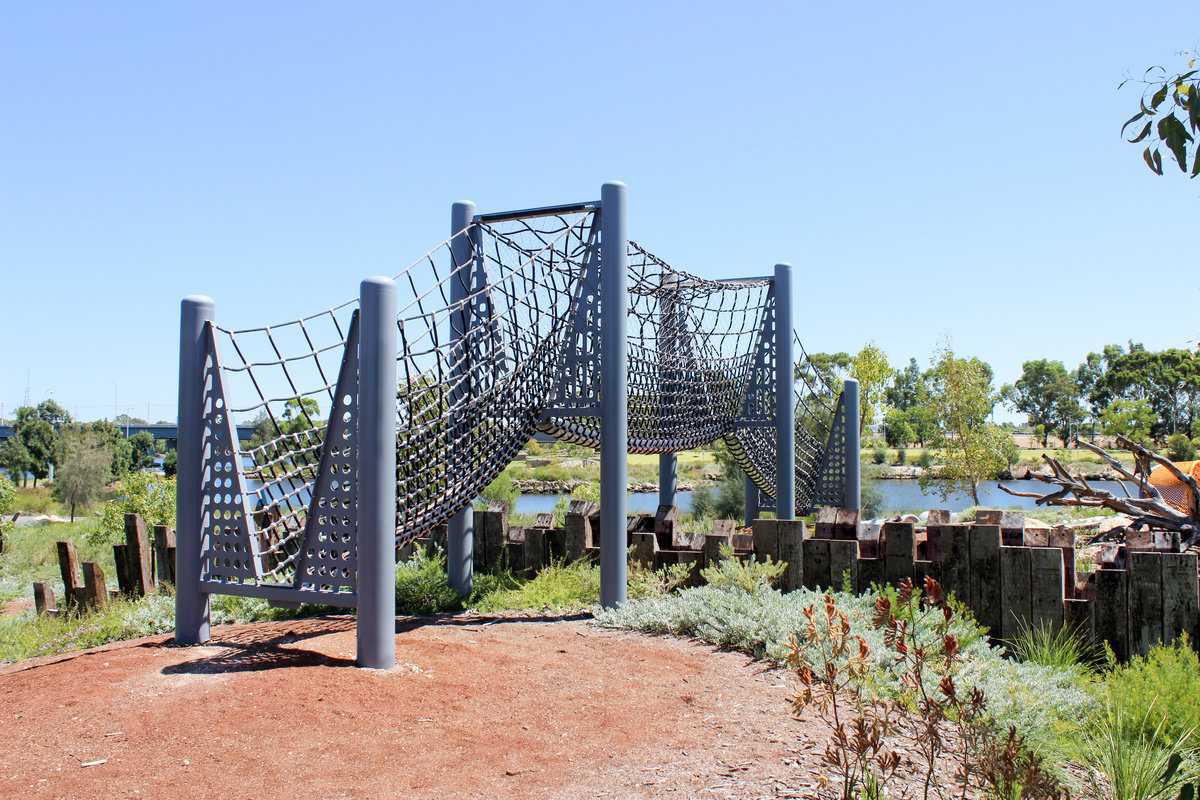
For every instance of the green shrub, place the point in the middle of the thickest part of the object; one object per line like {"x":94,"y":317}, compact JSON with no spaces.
{"x":502,"y":490}
{"x":1136,"y":759}
{"x":925,"y":459}
{"x":901,"y":457}
{"x":1054,"y":646}
{"x":150,"y":496}
{"x":1163,"y":684}
{"x":557,"y":588}
{"x":725,"y":499}
{"x":732,"y":572}
{"x":879,"y":455}
{"x":422,"y":585}
{"x":1180,"y":448}
{"x":8,"y":496}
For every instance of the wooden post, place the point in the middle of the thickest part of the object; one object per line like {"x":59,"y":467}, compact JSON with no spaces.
{"x":43,"y":599}
{"x":1145,"y":601}
{"x":1110,"y":614}
{"x":766,"y":539}
{"x":68,"y":565}
{"x":1016,"y":604}
{"x":712,"y":547}
{"x":1181,"y":603}
{"x":790,"y":538}
{"x":843,"y":562}
{"x":643,"y":546}
{"x":950,"y":551}
{"x":138,"y":555}
{"x":576,"y":522}
{"x":164,"y":542}
{"x":897,"y":551}
{"x":985,"y":597}
{"x":1046,"y":576}
{"x":1077,"y":615}
{"x":121,"y":559}
{"x":95,"y":591}
{"x":816,"y":564}
{"x":826,"y":521}
{"x":535,"y":549}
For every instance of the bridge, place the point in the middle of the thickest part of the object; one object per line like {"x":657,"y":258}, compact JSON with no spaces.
{"x":162,"y":430}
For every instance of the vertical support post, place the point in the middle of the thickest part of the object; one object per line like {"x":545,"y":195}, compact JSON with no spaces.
{"x":376,"y":630}
{"x":785,"y":408}
{"x":670,"y":323}
{"x":852,"y":490}
{"x":667,"y":478}
{"x":614,"y":419}
{"x":751,"y":502}
{"x":191,"y":604}
{"x":460,"y":532}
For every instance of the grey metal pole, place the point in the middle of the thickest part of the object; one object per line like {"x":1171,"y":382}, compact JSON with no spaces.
{"x":460,"y":532}
{"x":191,"y":604}
{"x":785,"y":409}
{"x":614,"y":411}
{"x":852,"y":492}
{"x":751,"y":502}
{"x":377,"y":474}
{"x":668,"y":478}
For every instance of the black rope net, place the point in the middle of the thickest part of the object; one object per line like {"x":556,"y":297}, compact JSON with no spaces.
{"x":498,"y":336}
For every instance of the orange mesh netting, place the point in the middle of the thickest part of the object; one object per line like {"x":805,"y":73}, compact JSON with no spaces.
{"x":1173,"y":490}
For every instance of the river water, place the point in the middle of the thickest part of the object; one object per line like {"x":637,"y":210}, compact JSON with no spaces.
{"x":903,"y":495}
{"x":897,"y":496}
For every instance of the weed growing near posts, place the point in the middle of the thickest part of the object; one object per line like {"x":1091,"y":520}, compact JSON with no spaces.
{"x":1162,"y":685}
{"x":1136,"y":760}
{"x":1055,"y":646}
{"x":731,"y":571}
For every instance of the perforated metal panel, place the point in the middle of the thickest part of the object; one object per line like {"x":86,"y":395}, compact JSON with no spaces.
{"x":831,"y":479}
{"x":328,"y":560}
{"x":229,"y":548}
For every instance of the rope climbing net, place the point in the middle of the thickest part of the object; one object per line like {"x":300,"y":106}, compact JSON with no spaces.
{"x":498,"y":337}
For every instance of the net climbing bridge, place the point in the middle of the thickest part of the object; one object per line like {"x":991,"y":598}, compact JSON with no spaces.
{"x":386,"y":416}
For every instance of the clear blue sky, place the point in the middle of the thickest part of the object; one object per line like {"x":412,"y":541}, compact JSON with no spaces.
{"x":931,"y":170}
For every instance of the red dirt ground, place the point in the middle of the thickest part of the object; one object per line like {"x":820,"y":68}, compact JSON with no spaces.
{"x":476,"y":708}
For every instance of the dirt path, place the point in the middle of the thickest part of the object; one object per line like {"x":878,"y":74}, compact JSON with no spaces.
{"x":476,"y":708}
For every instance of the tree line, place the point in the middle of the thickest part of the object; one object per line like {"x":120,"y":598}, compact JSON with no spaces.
{"x":83,"y":456}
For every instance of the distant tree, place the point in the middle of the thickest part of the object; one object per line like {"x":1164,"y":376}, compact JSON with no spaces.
{"x":53,"y":413}
{"x":828,"y":368}
{"x":871,"y":369}
{"x":907,"y":387}
{"x":169,"y":463}
{"x":1168,"y":380}
{"x":972,"y":449}
{"x":143,"y":450}
{"x":39,"y":439}
{"x":16,"y":460}
{"x":922,"y":418}
{"x":897,"y":430}
{"x":1170,"y":125}
{"x":85,"y":467}
{"x":121,"y":420}
{"x":1180,"y":448}
{"x":120,"y":449}
{"x":1133,"y":419}
{"x":1049,"y":396}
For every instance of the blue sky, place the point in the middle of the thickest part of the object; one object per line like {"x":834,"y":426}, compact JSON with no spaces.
{"x":932,"y":170}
